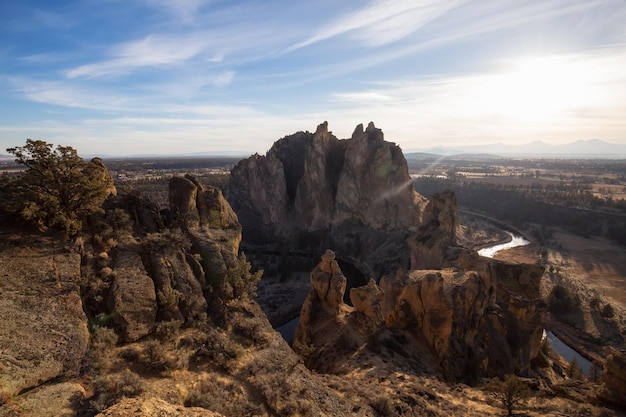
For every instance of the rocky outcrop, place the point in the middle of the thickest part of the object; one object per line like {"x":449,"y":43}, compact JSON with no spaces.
{"x":214,"y":231}
{"x":178,"y":288}
{"x":43,"y":329}
{"x":368,"y":300}
{"x":613,"y":388}
{"x":154,"y":407}
{"x":98,"y":166}
{"x":133,"y":297}
{"x":486,"y":321}
{"x":56,"y":400}
{"x":200,"y":207}
{"x":328,"y":285}
{"x":420,"y":305}
{"x":312,"y":191}
{"x":431,"y":245}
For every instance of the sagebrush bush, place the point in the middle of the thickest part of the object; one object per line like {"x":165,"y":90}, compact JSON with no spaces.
{"x":154,"y":356}
{"x":225,"y":397}
{"x":108,"y":389}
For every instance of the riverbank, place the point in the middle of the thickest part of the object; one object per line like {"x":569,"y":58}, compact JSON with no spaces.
{"x":570,"y":336}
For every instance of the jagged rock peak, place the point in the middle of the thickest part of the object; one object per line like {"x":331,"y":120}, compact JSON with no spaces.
{"x":317,"y":184}
{"x":322,"y":128}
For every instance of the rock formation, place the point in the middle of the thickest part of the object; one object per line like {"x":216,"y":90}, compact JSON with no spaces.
{"x":486,"y":321}
{"x":133,"y":298}
{"x":43,"y":329}
{"x":328,"y":286}
{"x":613,"y":387}
{"x":436,"y":234}
{"x":312,"y":191}
{"x":171,"y":306}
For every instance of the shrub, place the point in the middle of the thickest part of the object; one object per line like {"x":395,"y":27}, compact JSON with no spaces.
{"x":168,"y":298}
{"x":167,"y":330}
{"x":241,"y":279}
{"x":158,"y":359}
{"x":384,"y":406}
{"x":224,"y":397}
{"x":109,"y":389}
{"x":104,"y":338}
{"x":595,"y":303}
{"x":510,"y":393}
{"x":58,"y":189}
{"x":561,"y":301}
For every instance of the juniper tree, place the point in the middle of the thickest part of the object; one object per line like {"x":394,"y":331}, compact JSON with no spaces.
{"x":57,"y":189}
{"x":510,"y":393}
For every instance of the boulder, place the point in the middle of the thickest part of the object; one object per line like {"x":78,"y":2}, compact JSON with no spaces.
{"x":132,"y":298}
{"x":43,"y":328}
{"x":56,"y":400}
{"x":368,"y":300}
{"x":154,"y":407}
{"x":178,"y":289}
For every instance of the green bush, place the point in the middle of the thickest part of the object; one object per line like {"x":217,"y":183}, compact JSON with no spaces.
{"x":57,"y":189}
{"x":562,"y":301}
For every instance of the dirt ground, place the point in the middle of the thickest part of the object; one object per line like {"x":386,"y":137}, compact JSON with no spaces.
{"x":598,"y":262}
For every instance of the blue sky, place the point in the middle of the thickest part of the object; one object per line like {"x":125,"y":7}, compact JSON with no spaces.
{"x":119,"y":77}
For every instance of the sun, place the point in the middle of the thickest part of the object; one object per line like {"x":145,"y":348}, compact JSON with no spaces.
{"x":537,"y":90}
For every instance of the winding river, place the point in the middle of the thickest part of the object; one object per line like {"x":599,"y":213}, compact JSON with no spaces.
{"x":515,"y":241}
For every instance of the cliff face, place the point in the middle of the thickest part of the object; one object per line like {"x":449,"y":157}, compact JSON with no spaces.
{"x":436,"y":235}
{"x":312,"y":191}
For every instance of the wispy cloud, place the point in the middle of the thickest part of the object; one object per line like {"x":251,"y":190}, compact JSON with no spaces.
{"x":151,"y":51}
{"x":382,"y":21}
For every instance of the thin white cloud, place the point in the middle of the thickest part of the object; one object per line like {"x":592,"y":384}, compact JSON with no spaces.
{"x":382,"y":21}
{"x":151,"y":51}
{"x":61,"y":94}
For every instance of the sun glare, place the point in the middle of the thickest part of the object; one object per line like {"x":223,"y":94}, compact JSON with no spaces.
{"x":538,"y":89}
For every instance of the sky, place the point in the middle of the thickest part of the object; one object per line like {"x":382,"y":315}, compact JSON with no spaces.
{"x":124,"y":77}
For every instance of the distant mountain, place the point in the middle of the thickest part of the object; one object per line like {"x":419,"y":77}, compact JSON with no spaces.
{"x":593,"y":148}
{"x":6,"y":157}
